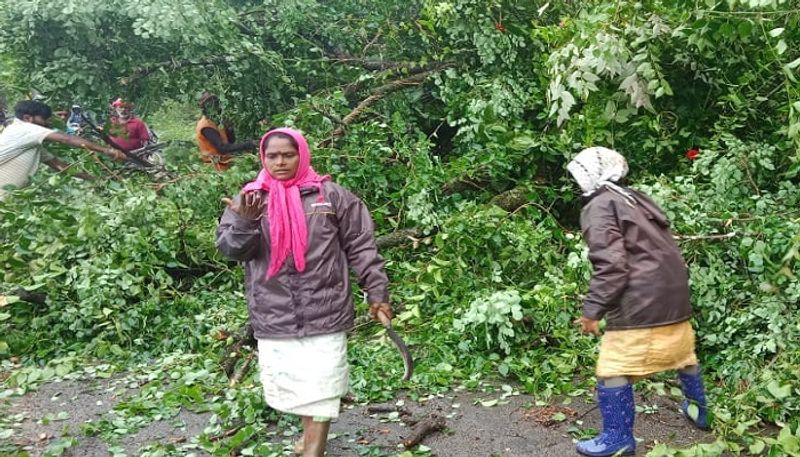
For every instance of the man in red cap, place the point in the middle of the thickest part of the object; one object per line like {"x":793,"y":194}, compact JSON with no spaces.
{"x":127,"y":131}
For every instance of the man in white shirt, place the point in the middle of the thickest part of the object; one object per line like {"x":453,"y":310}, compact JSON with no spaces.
{"x":21,"y":145}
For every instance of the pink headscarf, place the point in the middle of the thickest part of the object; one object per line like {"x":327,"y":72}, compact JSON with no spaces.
{"x":288,"y":231}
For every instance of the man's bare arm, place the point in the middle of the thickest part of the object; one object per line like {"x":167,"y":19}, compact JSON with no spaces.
{"x":78,"y":142}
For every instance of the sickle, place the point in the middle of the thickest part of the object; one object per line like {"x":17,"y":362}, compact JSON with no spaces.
{"x":408,"y":361}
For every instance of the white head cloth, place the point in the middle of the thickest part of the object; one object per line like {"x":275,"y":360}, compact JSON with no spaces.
{"x":597,"y":167}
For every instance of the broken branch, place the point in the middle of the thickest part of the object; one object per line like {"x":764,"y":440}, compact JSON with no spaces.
{"x":36,"y":298}
{"x":233,"y":352}
{"x":431,"y":424}
{"x":243,"y":370}
{"x":705,"y":237}
{"x":378,"y":94}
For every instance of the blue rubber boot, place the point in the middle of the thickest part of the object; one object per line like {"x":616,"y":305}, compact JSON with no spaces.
{"x":618,"y":411}
{"x":695,"y":393}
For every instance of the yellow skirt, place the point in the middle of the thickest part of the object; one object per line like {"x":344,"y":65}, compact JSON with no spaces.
{"x":644,"y":351}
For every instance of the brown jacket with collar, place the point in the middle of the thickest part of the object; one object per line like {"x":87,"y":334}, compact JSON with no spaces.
{"x":639,"y":278}
{"x":319,"y":300}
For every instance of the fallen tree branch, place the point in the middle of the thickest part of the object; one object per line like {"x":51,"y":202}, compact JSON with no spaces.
{"x":369,"y":64}
{"x":461,"y":184}
{"x":226,"y":434}
{"x":36,"y":298}
{"x":409,"y":68}
{"x":510,"y":200}
{"x":145,"y":71}
{"x":243,"y":370}
{"x":384,"y":409}
{"x":726,"y":236}
{"x":376,"y":95}
{"x":333,"y":117}
{"x":107,"y":170}
{"x":431,"y":424}
{"x":372,"y":41}
{"x":403,"y":69}
{"x":398,"y":238}
{"x":244,"y":337}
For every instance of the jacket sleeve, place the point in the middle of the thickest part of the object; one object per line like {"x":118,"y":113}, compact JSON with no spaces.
{"x":237,"y":237}
{"x":609,"y":260}
{"x":357,"y":236}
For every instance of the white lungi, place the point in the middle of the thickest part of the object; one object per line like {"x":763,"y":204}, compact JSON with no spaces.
{"x":305,"y":376}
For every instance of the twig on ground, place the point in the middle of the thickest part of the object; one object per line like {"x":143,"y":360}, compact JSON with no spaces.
{"x":725,"y":236}
{"x":244,"y":337}
{"x":383,"y":409}
{"x":582,"y":415}
{"x":225,"y":434}
{"x":243,"y":370}
{"x":104,"y":167}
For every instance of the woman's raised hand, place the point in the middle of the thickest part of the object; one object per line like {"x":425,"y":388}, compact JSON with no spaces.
{"x":249,"y":206}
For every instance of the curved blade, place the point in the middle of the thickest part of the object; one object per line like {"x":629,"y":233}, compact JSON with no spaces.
{"x":408,"y":361}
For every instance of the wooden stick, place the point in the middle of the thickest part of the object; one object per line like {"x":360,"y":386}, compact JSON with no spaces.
{"x":243,"y":370}
{"x":226,"y":434}
{"x":431,"y":424}
{"x":243,"y":337}
{"x":104,"y":167}
{"x":383,"y":409}
{"x":705,"y":237}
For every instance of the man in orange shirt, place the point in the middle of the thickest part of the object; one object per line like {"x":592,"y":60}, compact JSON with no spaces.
{"x":217,"y":141}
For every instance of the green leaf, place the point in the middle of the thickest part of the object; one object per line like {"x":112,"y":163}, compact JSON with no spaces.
{"x":667,"y":87}
{"x":793,"y":64}
{"x":757,"y":447}
{"x":745,"y":28}
{"x":789,"y":441}
{"x":776,"y":32}
{"x":503,"y":369}
{"x":777,"y":391}
{"x":63,"y":369}
{"x":781,"y":47}
{"x":693,"y":411}
{"x":8,"y":300}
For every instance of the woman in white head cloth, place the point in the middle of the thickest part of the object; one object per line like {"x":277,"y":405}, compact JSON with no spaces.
{"x":640,"y":286}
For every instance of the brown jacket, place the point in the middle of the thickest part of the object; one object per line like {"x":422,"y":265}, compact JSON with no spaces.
{"x":639,"y":278}
{"x":319,"y":300}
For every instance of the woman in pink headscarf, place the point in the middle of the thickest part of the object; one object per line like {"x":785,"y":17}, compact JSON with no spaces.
{"x":299,"y":235}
